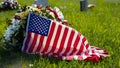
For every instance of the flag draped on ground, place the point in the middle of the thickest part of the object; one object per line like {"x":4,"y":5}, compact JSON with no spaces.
{"x":49,"y":37}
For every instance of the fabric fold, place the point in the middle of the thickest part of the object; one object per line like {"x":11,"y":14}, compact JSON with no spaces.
{"x":47,"y":37}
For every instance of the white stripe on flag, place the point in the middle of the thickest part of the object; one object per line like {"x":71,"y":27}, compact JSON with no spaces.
{"x":37,"y":43}
{"x":66,"y":41}
{"x":53,"y":39}
{"x":59,"y":40}
{"x":84,"y":56}
{"x":73,"y":41}
{"x":45,"y":39}
{"x":79,"y":45}
{"x":86,"y":42}
{"x":43,"y":45}
{"x":30,"y":42}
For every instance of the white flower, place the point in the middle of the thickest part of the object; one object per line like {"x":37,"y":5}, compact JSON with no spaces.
{"x":15,"y":7}
{"x":10,"y":5}
{"x":0,"y":5}
{"x":56,"y":9}
{"x":60,"y":15}
{"x":63,"y":58}
{"x":5,"y":3}
{"x":47,"y":11}
{"x":12,"y":29}
{"x":7,"y":38}
{"x":9,"y":28}
{"x":52,"y":14}
{"x":34,"y":9}
{"x":8,"y":33}
{"x":2,"y":2}
{"x":28,"y":7}
{"x":30,"y":65}
{"x":15,"y":22}
{"x":76,"y":57}
{"x":34,"y":5}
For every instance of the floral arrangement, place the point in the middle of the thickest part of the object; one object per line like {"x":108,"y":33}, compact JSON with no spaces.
{"x":9,"y":4}
{"x":15,"y":32}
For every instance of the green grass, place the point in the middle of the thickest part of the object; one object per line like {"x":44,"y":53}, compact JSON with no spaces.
{"x":100,"y":25}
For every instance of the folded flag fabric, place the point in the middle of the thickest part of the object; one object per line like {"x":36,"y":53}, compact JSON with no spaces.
{"x":49,"y":37}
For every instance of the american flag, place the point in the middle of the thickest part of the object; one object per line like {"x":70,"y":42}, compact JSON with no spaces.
{"x":48,"y":37}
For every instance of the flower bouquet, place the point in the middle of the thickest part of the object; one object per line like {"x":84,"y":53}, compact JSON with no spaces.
{"x":9,"y":4}
{"x":16,"y":30}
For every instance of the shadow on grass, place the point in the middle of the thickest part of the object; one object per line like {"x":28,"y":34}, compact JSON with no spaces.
{"x":17,"y":58}
{"x":4,"y":10}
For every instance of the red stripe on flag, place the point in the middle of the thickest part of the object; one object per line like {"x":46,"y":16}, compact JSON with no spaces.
{"x":81,"y":49}
{"x":49,"y":37}
{"x":82,"y":46}
{"x":87,"y":46}
{"x":56,"y":38}
{"x":54,"y":12}
{"x":69,"y":42}
{"x":76,"y":44}
{"x":83,"y":40}
{"x":93,"y":51}
{"x":63,"y":41}
{"x":26,"y":42}
{"x":40,"y":44}
{"x":33,"y":43}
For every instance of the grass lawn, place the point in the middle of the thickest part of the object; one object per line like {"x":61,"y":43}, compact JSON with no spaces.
{"x":100,"y":25}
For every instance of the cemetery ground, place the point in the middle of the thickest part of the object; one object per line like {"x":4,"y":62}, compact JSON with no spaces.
{"x":100,"y":25}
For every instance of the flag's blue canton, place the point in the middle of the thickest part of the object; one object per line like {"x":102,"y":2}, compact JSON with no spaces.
{"x":38,"y":24}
